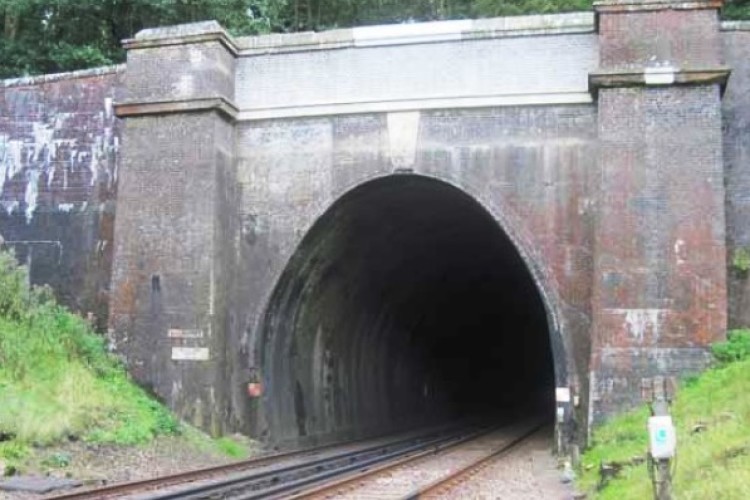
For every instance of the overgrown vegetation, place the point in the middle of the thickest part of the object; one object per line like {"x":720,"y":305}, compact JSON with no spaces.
{"x":42,"y":36}
{"x":56,"y":379}
{"x":712,"y":415}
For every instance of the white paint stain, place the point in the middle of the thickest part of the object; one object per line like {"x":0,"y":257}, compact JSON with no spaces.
{"x":640,"y":322}
{"x":26,"y":159}
{"x":32,"y":192}
{"x":184,"y":86}
{"x":43,"y":134}
{"x":9,"y":206}
{"x":98,"y":152}
{"x":403,"y":131}
{"x":10,"y":160}
{"x":679,"y":251}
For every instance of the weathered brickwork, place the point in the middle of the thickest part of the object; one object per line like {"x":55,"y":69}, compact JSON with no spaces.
{"x":165,"y":293}
{"x":736,"y":119}
{"x":173,"y":273}
{"x":681,"y":38}
{"x":659,"y":278}
{"x":229,"y":157}
{"x":58,"y":147}
{"x":529,"y":167}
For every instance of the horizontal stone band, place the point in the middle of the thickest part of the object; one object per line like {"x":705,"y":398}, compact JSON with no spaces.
{"x":649,"y":77}
{"x":218,"y":104}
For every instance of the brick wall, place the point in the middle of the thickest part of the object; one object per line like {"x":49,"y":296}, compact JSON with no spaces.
{"x":58,"y":144}
{"x":659,"y":279}
{"x":736,"y":120}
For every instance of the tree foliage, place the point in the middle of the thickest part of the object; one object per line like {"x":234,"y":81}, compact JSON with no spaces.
{"x":47,"y":36}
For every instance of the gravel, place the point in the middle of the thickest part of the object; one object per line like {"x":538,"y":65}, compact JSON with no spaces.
{"x":528,"y":472}
{"x":97,"y":464}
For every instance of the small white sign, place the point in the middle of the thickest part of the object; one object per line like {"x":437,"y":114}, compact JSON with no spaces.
{"x":177,"y":333}
{"x":662,"y":438}
{"x":562,"y":395}
{"x":190,"y":353}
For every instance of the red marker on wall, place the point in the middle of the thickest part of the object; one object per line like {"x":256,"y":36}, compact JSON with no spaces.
{"x":254,"y":389}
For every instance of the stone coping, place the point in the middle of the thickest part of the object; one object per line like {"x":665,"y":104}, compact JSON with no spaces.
{"x":641,"y":5}
{"x":735,"y":26}
{"x":182,"y":34}
{"x":54,"y":77}
{"x":414,"y":33}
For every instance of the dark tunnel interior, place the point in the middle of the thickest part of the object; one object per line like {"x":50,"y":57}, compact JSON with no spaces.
{"x":406,"y":304}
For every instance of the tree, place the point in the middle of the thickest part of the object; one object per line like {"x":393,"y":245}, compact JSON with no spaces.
{"x":46,"y":36}
{"x":42,"y":36}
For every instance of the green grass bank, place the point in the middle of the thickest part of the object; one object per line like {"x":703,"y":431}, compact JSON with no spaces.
{"x":59,"y":384}
{"x":712,"y":415}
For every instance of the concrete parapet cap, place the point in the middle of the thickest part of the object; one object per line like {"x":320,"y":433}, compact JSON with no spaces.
{"x":735,"y":26}
{"x":414,"y":33}
{"x":55,"y":77}
{"x":657,"y":76}
{"x":615,"y":6}
{"x":182,"y":34}
{"x":219,"y":104}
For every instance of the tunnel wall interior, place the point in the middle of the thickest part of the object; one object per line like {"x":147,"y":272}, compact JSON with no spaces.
{"x":405,"y":304}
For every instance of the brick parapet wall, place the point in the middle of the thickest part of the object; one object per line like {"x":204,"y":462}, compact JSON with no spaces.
{"x":59,"y":140}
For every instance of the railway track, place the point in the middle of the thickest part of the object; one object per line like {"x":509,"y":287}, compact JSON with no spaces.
{"x":428,"y":474}
{"x":278,"y":474}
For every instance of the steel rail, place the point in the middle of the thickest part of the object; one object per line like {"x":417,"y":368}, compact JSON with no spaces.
{"x":272,"y":483}
{"x":144,"y":485}
{"x":347,"y":481}
{"x":445,"y":484}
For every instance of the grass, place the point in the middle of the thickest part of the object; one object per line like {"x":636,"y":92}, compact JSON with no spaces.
{"x":57,"y":380}
{"x":711,"y":463}
{"x":231,"y":448}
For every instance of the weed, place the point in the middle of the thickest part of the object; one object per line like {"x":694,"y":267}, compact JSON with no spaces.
{"x":231,"y":448}
{"x":57,"y":460}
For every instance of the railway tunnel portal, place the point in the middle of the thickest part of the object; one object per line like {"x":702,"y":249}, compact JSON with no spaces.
{"x":387,"y":225}
{"x":405,"y":304}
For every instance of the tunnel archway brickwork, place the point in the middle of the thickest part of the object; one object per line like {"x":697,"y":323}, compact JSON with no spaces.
{"x":531,"y":183}
{"x":405,"y":304}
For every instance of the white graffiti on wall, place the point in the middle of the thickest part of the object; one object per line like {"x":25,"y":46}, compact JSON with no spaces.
{"x":44,"y":153}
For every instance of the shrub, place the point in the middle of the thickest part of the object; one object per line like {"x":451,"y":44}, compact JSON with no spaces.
{"x":736,"y":347}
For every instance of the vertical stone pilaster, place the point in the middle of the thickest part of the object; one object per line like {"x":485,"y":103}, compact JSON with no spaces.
{"x":173,"y":243}
{"x":659,"y":292}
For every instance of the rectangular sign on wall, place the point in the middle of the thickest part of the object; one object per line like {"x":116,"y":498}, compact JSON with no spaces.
{"x":562,"y":395}
{"x":190,"y":353}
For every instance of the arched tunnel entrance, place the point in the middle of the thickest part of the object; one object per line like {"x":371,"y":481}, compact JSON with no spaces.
{"x":405,"y":304}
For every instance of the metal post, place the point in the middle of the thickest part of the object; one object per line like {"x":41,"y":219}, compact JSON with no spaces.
{"x":661,"y":467}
